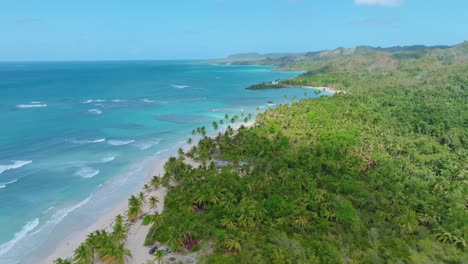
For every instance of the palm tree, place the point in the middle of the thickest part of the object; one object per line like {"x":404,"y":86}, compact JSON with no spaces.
{"x":83,"y":254}
{"x":226,"y":116}
{"x":63,"y":261}
{"x":153,"y":202}
{"x":175,"y":242}
{"x":134,"y":208}
{"x":156,"y":222}
{"x":147,"y":188}
{"x":159,"y":255}
{"x":232,"y":244}
{"x":203,"y":131}
{"x":180,"y":151}
{"x":215,"y":125}
{"x":155,"y":182}
{"x":189,"y":141}
{"x":117,"y":254}
{"x":119,"y":231}
{"x":142,"y":197}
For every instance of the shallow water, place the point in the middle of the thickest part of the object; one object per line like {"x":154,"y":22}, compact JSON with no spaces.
{"x":78,"y":137}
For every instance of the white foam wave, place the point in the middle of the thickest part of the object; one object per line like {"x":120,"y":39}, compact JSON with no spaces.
{"x":35,"y":102}
{"x":179,"y":86}
{"x":27,"y":228}
{"x":48,"y":209}
{"x":116,"y":142}
{"x":146,"y":100}
{"x":95,"y":111}
{"x":107,"y":159}
{"x":147,"y":145}
{"x":118,"y":100}
{"x":87,"y":172}
{"x":58,"y":216}
{"x":100,"y":140}
{"x":4,"y":184}
{"x":94,"y":101}
{"x":31,"y":105}
{"x":16,"y":165}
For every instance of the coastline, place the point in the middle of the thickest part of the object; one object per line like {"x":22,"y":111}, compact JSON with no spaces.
{"x":137,"y":232}
{"x":327,"y":89}
{"x":265,"y":86}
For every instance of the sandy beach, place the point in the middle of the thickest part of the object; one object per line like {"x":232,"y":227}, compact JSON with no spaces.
{"x":329,"y":90}
{"x":137,"y":232}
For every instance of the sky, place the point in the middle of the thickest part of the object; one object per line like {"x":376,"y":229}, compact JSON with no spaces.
{"x":202,"y":29}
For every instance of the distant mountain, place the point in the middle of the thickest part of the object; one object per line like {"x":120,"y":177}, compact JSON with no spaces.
{"x":254,"y":56}
{"x":360,"y":57}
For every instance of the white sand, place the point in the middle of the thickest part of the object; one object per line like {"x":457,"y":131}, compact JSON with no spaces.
{"x":325,"y":89}
{"x":137,"y":232}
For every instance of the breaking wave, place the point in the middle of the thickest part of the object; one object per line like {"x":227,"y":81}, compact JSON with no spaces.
{"x":115,"y":142}
{"x":88,"y":141}
{"x":27,"y":228}
{"x":31,"y":105}
{"x":87,"y":172}
{"x":179,"y":86}
{"x":16,"y":165}
{"x":95,"y":111}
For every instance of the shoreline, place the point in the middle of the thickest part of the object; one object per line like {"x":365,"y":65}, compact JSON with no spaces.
{"x":136,"y":232}
{"x":266,"y":86}
{"x":327,"y":89}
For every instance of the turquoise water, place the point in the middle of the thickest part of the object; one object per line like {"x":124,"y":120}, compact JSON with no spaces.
{"x":78,"y":137}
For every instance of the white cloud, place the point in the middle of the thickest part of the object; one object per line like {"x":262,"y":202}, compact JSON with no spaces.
{"x":378,"y":2}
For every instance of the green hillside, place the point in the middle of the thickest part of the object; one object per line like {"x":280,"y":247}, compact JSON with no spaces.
{"x":376,"y":175}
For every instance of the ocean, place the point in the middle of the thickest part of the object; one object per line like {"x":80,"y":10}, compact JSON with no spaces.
{"x":76,"y":138}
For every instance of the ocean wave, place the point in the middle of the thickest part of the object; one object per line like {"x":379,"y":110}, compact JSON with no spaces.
{"x":27,"y":228}
{"x":16,"y":165}
{"x":147,"y":145}
{"x":48,"y":209}
{"x":146,"y":100}
{"x":115,"y":142}
{"x":58,"y":216}
{"x":88,"y":141}
{"x":107,"y":159}
{"x":94,"y":101}
{"x":118,"y":100}
{"x":31,"y":105}
{"x":95,"y":111}
{"x":35,"y":102}
{"x":179,"y":86}
{"x":4,"y":184}
{"x":87,"y":172}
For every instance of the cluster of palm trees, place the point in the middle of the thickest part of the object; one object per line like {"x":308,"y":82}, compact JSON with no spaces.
{"x":109,"y":248}
{"x":216,"y":124}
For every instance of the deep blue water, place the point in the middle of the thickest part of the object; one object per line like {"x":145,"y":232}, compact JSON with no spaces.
{"x":80,"y":130}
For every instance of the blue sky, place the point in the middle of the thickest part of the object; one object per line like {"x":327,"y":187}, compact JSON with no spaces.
{"x":188,"y":29}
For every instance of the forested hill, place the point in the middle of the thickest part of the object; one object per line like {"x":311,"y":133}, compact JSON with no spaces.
{"x":376,"y":175}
